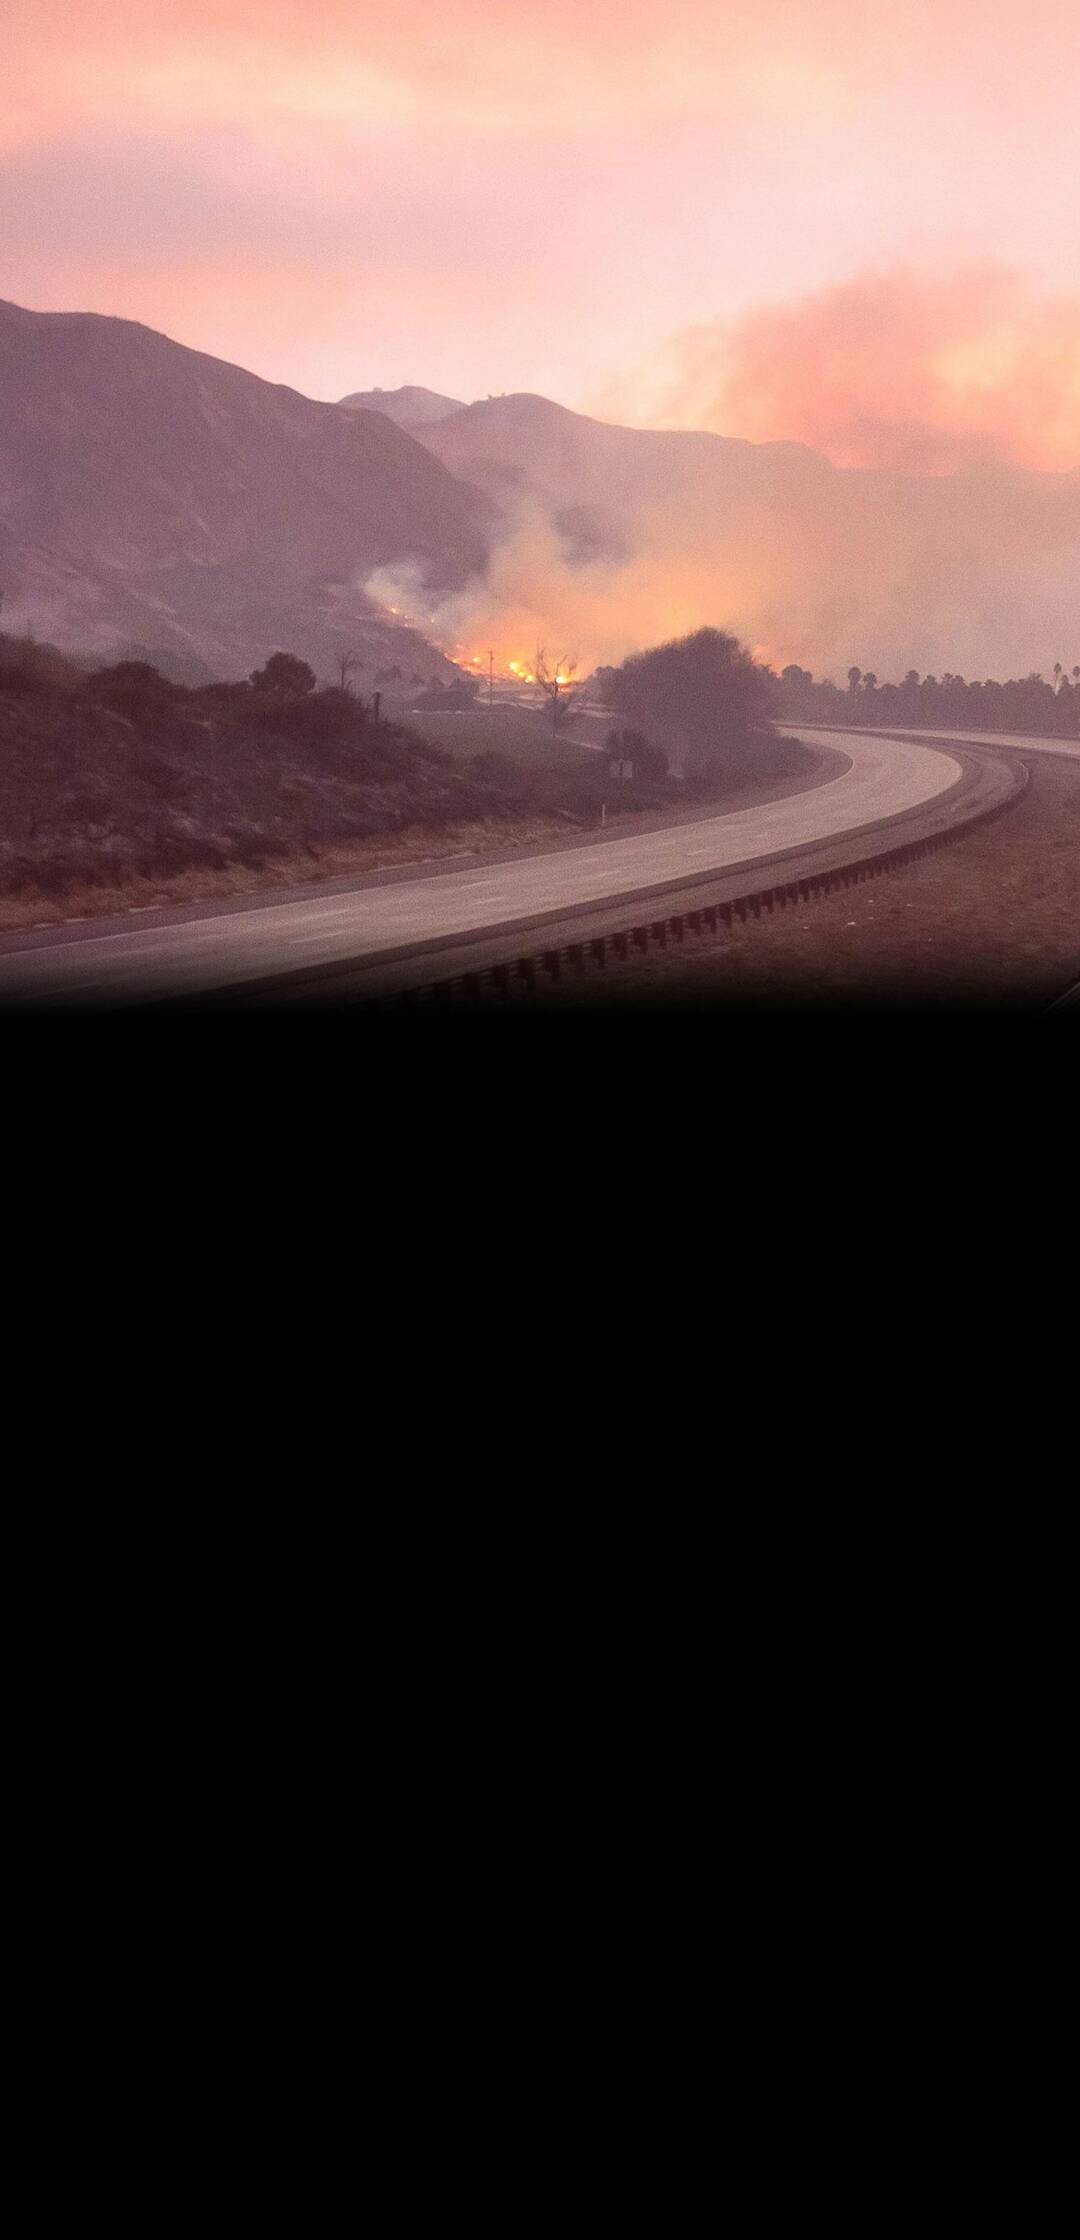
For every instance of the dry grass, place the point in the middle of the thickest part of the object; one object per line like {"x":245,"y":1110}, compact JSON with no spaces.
{"x":417,"y":844}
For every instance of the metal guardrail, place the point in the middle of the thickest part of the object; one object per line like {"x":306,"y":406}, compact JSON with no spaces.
{"x":546,"y":967}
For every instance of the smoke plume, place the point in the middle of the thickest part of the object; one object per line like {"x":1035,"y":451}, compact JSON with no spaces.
{"x":897,"y":370}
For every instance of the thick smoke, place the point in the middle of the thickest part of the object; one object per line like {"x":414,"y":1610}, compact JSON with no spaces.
{"x":933,"y":522}
{"x":895,"y":370}
{"x":975,"y":573}
{"x":535,"y":593}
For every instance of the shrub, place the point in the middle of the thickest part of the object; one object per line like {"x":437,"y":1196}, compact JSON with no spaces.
{"x":284,"y":673}
{"x":133,"y":689}
{"x":15,"y":678}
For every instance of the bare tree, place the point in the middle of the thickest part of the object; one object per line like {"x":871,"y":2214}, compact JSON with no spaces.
{"x":349,"y":661}
{"x":559,"y":683}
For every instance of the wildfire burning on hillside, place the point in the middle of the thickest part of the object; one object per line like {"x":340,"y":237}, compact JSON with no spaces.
{"x":802,"y":562}
{"x":495,"y":665}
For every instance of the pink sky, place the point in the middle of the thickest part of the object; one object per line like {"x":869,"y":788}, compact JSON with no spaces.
{"x":344,"y":193}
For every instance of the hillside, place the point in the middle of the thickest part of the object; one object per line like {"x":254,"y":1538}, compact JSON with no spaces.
{"x":407,"y":407}
{"x":976,"y":573}
{"x":117,"y":780}
{"x":156,"y":497}
{"x":120,"y":775}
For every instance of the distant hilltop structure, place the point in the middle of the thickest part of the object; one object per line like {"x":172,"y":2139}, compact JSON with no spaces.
{"x":408,"y":407}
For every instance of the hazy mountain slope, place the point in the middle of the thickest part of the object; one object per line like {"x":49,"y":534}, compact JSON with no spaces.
{"x":560,"y":448}
{"x":408,"y":407}
{"x":975,"y":573}
{"x":151,"y":493}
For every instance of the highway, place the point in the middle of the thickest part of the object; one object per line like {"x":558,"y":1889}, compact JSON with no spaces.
{"x":881,"y":781}
{"x":1070,"y":748}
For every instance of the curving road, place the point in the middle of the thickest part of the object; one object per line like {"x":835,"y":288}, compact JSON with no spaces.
{"x":882,"y":780}
{"x":1070,"y":748}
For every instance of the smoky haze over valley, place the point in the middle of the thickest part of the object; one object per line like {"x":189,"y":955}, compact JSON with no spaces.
{"x":155,"y":497}
{"x":619,"y":536}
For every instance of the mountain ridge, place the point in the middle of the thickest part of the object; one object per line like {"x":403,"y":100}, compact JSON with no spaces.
{"x":409,"y":407}
{"x":153,"y":493}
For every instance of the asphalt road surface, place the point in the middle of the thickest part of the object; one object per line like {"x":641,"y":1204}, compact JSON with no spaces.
{"x":1070,"y":748}
{"x":213,"y":950}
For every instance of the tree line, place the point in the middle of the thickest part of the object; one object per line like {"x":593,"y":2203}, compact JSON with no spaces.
{"x":1046,"y":708}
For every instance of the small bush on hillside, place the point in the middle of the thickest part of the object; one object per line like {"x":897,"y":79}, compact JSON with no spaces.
{"x":312,"y":721}
{"x":16,"y":678}
{"x":284,"y":673}
{"x":133,"y":689}
{"x":25,"y":656}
